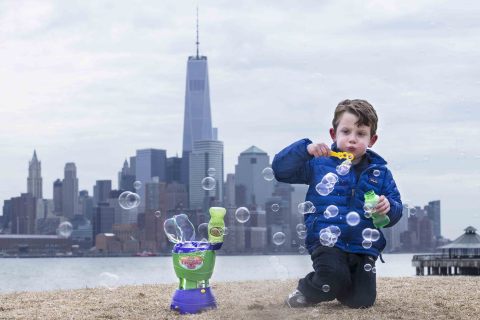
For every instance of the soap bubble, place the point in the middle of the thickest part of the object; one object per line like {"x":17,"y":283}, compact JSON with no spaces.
{"x":188,"y":230}
{"x":331,"y":211}
{"x":267,"y":174}
{"x":279,"y":238}
{"x":128,"y":200}
{"x":242,"y":214}
{"x":375,"y":235}
{"x":179,"y":228}
{"x":331,"y":177}
{"x":327,"y":237}
{"x":225,"y":231}
{"x":302,"y":234}
{"x":353,"y":218}
{"x":323,"y":189}
{"x":65,"y":229}
{"x":335,"y":230}
{"x":158,"y":214}
{"x":208,"y":183}
{"x":374,"y":270}
{"x":367,"y":215}
{"x":367,"y":244}
{"x":306,"y":207}
{"x":325,"y":288}
{"x":109,"y":280}
{"x":300,"y":227}
{"x":301,"y":249}
{"x":344,"y":167}
{"x":211,"y":172}
{"x":367,"y":267}
{"x":203,"y":231}
{"x":413,"y":211}
{"x":275,"y":207}
{"x":137,"y":185}
{"x":376,"y":173}
{"x":367,"y":234}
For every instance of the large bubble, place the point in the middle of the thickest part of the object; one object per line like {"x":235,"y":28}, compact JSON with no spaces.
{"x":267,"y":174}
{"x":179,"y":229}
{"x":65,"y":229}
{"x":353,"y":218}
{"x":331,"y":211}
{"x":208,"y":183}
{"x":242,"y":214}
{"x":279,"y":238}
{"x":344,"y":167}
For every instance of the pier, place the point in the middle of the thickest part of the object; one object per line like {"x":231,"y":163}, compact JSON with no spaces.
{"x":461,"y":257}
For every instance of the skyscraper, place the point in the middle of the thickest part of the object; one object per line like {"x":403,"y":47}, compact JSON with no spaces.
{"x":197,"y":124}
{"x":248,"y":177}
{"x":206,"y":155}
{"x":433,"y":212}
{"x":34,"y":180}
{"x":149,"y":163}
{"x":70,"y":191}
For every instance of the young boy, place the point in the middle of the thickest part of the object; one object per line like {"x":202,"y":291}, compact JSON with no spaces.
{"x":339,"y":268}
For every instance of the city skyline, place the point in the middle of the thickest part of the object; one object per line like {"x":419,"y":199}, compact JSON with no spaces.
{"x":90,"y":90}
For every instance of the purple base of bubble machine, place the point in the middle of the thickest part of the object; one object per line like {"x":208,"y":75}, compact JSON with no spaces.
{"x":193,"y":300}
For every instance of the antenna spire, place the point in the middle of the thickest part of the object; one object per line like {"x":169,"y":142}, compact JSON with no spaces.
{"x":197,"y":43}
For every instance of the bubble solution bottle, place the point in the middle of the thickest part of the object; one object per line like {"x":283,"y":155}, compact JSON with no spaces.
{"x":371,"y":200}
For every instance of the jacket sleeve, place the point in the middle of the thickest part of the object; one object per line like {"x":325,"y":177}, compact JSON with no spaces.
{"x":292,"y":164}
{"x":390,"y":191}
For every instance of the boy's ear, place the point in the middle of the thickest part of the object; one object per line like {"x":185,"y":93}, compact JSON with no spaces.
{"x":373,"y":139}
{"x":332,"y":134}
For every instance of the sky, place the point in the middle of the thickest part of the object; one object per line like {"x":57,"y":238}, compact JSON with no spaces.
{"x":90,"y":82}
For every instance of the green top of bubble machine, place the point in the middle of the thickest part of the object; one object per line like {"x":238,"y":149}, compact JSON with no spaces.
{"x":371,"y":200}
{"x":216,"y":225}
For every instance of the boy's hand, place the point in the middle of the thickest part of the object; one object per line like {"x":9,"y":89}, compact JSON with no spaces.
{"x":383,"y":206}
{"x":318,"y":150}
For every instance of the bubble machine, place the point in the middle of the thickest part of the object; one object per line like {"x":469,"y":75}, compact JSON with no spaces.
{"x":193,"y":262}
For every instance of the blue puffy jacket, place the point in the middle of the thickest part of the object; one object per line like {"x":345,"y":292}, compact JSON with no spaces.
{"x":294,"y":165}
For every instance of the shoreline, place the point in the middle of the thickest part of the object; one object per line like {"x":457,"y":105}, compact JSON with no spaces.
{"x":397,"y":298}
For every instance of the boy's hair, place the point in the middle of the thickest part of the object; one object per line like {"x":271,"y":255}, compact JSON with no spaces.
{"x":362,"y":109}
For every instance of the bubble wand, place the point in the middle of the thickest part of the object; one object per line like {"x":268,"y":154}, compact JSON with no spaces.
{"x":193,"y":262}
{"x":342,"y":155}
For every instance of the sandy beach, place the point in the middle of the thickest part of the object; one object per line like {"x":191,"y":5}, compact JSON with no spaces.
{"x":398,"y":298}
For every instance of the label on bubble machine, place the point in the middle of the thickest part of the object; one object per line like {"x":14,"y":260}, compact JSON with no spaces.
{"x":191,"y":262}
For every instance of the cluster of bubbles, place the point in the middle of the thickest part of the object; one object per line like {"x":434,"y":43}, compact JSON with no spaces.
{"x":326,"y":186}
{"x":267,"y":174}
{"x":65,"y":229}
{"x":301,"y":231}
{"x":368,"y":267}
{"x":331,"y":211}
{"x":369,"y":236}
{"x":344,"y":167}
{"x":179,"y":229}
{"x":242,"y":214}
{"x":278,"y":238}
{"x":329,"y":236}
{"x":129,"y":200}
{"x":109,"y":280}
{"x":306,"y":207}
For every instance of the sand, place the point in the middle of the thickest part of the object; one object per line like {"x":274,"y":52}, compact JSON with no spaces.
{"x":398,"y":298}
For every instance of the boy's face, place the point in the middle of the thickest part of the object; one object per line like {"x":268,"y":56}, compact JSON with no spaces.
{"x":352,"y":138}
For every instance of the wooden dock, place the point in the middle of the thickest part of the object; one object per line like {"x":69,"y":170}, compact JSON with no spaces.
{"x":441,"y":264}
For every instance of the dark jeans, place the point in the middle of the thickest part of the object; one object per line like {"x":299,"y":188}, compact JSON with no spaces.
{"x":345,"y":275}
